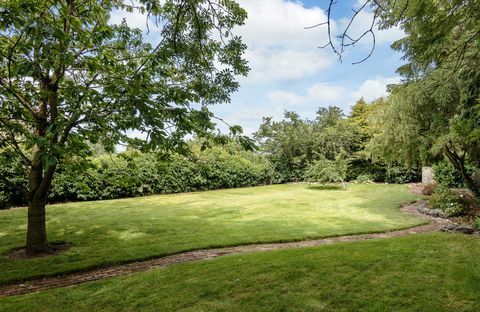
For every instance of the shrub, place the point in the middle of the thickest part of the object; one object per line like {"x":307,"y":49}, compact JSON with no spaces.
{"x":448,"y":176}
{"x":401,"y":174}
{"x":381,"y":172}
{"x":477,"y":223}
{"x":13,"y":180}
{"x":328,"y":171}
{"x":4,"y":200}
{"x":364,"y":179}
{"x":454,"y":202}
{"x":429,"y":189}
{"x":132,"y":174}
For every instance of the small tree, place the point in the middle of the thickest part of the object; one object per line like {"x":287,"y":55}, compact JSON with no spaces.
{"x":329,"y":171}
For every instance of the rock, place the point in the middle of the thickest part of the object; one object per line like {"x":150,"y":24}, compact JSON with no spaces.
{"x":437,"y":213}
{"x":458,"y":228}
{"x":428,"y":175}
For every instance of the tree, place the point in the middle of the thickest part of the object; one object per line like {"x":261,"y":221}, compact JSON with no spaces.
{"x":68,"y":77}
{"x":325,"y":171}
{"x":293,"y":143}
{"x":333,"y":132}
{"x":425,"y":119}
{"x":435,"y":110}
{"x":288,"y":144}
{"x":442,"y":80}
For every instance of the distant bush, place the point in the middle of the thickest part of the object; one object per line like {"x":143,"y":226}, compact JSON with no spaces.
{"x":328,"y":171}
{"x":448,"y":176}
{"x":4,"y":200}
{"x":133,"y":173}
{"x":402,"y":174}
{"x":13,"y":180}
{"x":364,"y":179}
{"x":454,"y":202}
{"x":381,"y":172}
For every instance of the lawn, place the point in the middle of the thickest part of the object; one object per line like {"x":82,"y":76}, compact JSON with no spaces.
{"x":425,"y":272}
{"x":104,"y":233}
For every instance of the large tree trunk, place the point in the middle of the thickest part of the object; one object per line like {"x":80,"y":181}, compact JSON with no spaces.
{"x":36,"y":230}
{"x":40,"y":182}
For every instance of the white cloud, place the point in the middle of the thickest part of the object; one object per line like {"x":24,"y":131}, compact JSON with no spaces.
{"x":372,"y":89}
{"x":254,"y":115}
{"x":279,"y":46}
{"x":272,"y":64}
{"x":137,"y":19}
{"x":317,"y":95}
{"x":134,"y":19}
{"x":281,"y":23}
{"x":323,"y":92}
{"x":286,"y":98}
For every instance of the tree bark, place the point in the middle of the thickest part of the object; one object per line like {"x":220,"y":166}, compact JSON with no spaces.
{"x":37,"y":197}
{"x":36,"y":230}
{"x":40,"y":182}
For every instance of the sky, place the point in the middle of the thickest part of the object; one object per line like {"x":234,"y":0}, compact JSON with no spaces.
{"x":288,"y":69}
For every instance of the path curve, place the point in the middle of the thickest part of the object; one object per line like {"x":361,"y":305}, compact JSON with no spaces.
{"x":96,"y":274}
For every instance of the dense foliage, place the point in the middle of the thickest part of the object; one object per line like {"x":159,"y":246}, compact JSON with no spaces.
{"x":325,"y":171}
{"x":454,"y":202}
{"x":13,"y":181}
{"x":293,"y":145}
{"x":134,"y":173}
{"x":435,"y":112}
{"x":448,"y":176}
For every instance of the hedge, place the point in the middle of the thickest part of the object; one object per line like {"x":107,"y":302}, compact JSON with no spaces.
{"x":132,"y":173}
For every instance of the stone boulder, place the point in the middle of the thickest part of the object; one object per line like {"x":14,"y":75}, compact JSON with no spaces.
{"x":458,"y":228}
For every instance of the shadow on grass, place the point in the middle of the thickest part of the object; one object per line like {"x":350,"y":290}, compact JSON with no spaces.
{"x":327,"y":187}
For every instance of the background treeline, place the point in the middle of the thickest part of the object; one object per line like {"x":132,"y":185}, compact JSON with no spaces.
{"x":295,"y":145}
{"x":287,"y":152}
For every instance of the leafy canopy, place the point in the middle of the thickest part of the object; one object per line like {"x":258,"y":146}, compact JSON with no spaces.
{"x":69,"y":76}
{"x":436,"y":110}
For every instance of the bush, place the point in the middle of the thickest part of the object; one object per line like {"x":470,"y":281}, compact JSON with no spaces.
{"x":381,"y":172}
{"x":364,"y":179}
{"x":448,"y":176}
{"x":132,"y":174}
{"x":477,"y":223}
{"x":401,"y":174}
{"x":325,"y":170}
{"x":454,"y":202}
{"x":13,"y":180}
{"x":429,"y":188}
{"x":360,"y":166}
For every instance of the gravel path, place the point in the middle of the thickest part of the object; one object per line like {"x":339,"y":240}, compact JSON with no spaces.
{"x":93,"y":275}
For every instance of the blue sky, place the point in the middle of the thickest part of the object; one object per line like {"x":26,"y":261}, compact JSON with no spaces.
{"x":290,"y":72}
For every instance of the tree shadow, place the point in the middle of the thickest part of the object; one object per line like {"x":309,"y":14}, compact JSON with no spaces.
{"x":326,"y":187}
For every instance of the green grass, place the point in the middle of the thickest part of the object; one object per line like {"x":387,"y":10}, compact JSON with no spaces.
{"x":427,"y":272}
{"x":108,"y":232}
